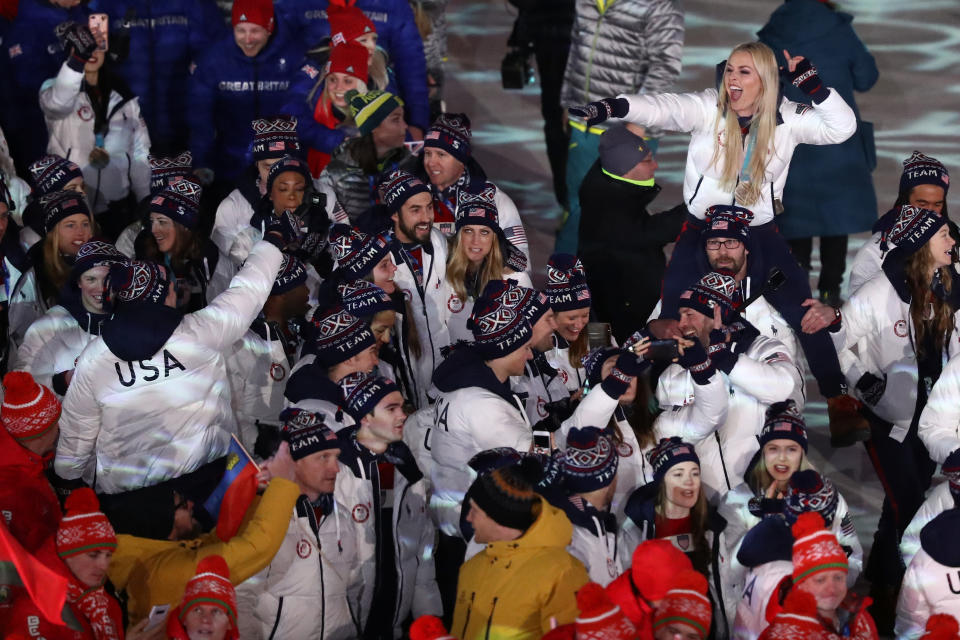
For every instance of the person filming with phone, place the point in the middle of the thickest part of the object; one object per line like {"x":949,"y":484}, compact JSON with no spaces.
{"x":94,"y":120}
{"x":756,"y":371}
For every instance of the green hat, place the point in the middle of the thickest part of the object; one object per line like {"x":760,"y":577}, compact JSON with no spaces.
{"x":370,"y":109}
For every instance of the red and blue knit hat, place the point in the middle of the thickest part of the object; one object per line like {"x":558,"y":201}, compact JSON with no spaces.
{"x":589,"y":461}
{"x":52,"y":173}
{"x":292,"y":164}
{"x":166,"y":169}
{"x":363,"y":392}
{"x":363,"y":299}
{"x":476,"y":209}
{"x":58,"y":205}
{"x":727,"y":221}
{"x":717,"y":288}
{"x":338,"y":335}
{"x":668,"y":453}
{"x":398,"y":187}
{"x":533,"y":304}
{"x":497,"y":329}
{"x":95,"y":253}
{"x":810,"y":491}
{"x":357,"y":253}
{"x":275,"y":138}
{"x":784,"y":421}
{"x":912,"y":229}
{"x":450,"y":132}
{"x":138,"y":281}
{"x":951,"y":471}
{"x":306,"y":432}
{"x":921,"y":169}
{"x":567,"y":283}
{"x":179,"y":200}
{"x":293,"y":273}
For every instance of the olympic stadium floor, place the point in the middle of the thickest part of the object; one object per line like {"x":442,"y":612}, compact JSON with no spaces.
{"x":913,"y":106}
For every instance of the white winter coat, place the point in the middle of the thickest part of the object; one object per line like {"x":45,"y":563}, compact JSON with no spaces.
{"x":429,"y":313}
{"x":764,"y":374}
{"x":537,"y":388}
{"x":128,"y":425}
{"x":879,"y":320}
{"x":52,"y":345}
{"x":70,"y":120}
{"x":313,"y":584}
{"x":572,"y":376}
{"x":596,"y":547}
{"x":762,"y":585}
{"x":413,"y":538}
{"x":939,"y":426}
{"x":939,"y":499}
{"x":866,"y":263}
{"x":459,"y":311}
{"x":928,"y":587}
{"x":830,"y":122}
{"x":258,"y":371}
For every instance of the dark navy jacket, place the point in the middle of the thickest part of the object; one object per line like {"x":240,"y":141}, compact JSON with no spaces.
{"x":166,"y":36}
{"x":396,"y":33}
{"x":228,"y":90}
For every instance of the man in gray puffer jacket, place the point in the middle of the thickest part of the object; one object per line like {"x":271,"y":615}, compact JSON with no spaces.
{"x":618,"y":46}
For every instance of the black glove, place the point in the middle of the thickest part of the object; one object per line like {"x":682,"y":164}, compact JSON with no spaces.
{"x":557,"y":412}
{"x":695,"y":360}
{"x":602,"y":110}
{"x":627,"y":367}
{"x":871,"y":388}
{"x":742,"y":335}
{"x":78,"y":42}
{"x":277,"y":231}
{"x":720,"y":351}
{"x":805,"y":78}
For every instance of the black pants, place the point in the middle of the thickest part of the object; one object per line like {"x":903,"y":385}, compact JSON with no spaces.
{"x":450,"y":553}
{"x":833,"y":259}
{"x":551,"y":63}
{"x":905,"y":470}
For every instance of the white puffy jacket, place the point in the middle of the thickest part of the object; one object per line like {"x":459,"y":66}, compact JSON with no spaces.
{"x":70,"y":117}
{"x":939,"y":499}
{"x":762,"y":585}
{"x":312,"y":586}
{"x":726,"y":440}
{"x":879,"y":320}
{"x":538,"y":386}
{"x":127,"y":425}
{"x":429,"y":312}
{"x":53,"y":344}
{"x":931,"y":584}
{"x":572,"y":376}
{"x":939,"y":426}
{"x":866,"y":263}
{"x":258,"y":370}
{"x":459,"y":311}
{"x":414,"y":533}
{"x":830,"y":122}
{"x":593,"y":543}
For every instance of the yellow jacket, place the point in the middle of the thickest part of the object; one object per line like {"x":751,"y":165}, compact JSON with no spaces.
{"x":154,"y":572}
{"x":511,"y":590}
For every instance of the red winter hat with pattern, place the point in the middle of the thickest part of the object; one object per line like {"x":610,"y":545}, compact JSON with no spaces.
{"x":798,"y":619}
{"x":29,"y":409}
{"x":815,"y":549}
{"x":599,"y":618}
{"x":258,"y":12}
{"x":211,"y":586}
{"x":654,"y":564}
{"x":350,"y":58}
{"x":686,"y":603}
{"x":84,"y":527}
{"x":347,"y":23}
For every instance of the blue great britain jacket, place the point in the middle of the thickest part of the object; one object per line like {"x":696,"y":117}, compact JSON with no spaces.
{"x":396,"y":33}
{"x":228,"y":90}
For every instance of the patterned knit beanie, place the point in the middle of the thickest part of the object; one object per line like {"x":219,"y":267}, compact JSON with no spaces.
{"x":372,"y":108}
{"x":668,"y":453}
{"x":306,"y":432}
{"x":599,"y":618}
{"x":52,"y":173}
{"x":58,"y":205}
{"x":292,"y":164}
{"x":798,"y":619}
{"x":567,"y":283}
{"x":533,"y":304}
{"x":686,"y":602}
{"x":167,"y":169}
{"x":363,"y":299}
{"x":339,"y":335}
{"x":84,"y":527}
{"x":211,"y":586}
{"x":450,"y":132}
{"x":275,"y":138}
{"x":815,"y":549}
{"x":784,"y":421}
{"x":714,"y":289}
{"x":589,"y":461}
{"x":951,"y":471}
{"x":138,"y":281}
{"x":809,"y":491}
{"x":363,"y":392}
{"x":179,"y":200}
{"x":912,"y":229}
{"x":398,"y":187}
{"x":727,"y":221}
{"x":292,"y":274}
{"x":29,"y":409}
{"x":497,"y":329}
{"x":920,"y":169}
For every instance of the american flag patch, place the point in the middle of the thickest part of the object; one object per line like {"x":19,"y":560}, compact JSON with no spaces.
{"x":686,"y":295}
{"x":69,"y":203}
{"x":15,"y":51}
{"x":433,"y":135}
{"x":583,"y":295}
{"x":275,"y":146}
{"x":846,"y":525}
{"x":783,"y":427}
{"x":310,"y":70}
{"x":516,"y":235}
{"x":157,"y":200}
{"x":338,"y":38}
{"x":720,"y":224}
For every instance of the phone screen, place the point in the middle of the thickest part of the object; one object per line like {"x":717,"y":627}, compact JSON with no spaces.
{"x":157,"y":615}
{"x":97,"y":22}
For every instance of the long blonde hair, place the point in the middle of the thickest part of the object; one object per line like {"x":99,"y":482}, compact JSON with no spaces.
{"x":458,"y":267}
{"x":763,"y":125}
